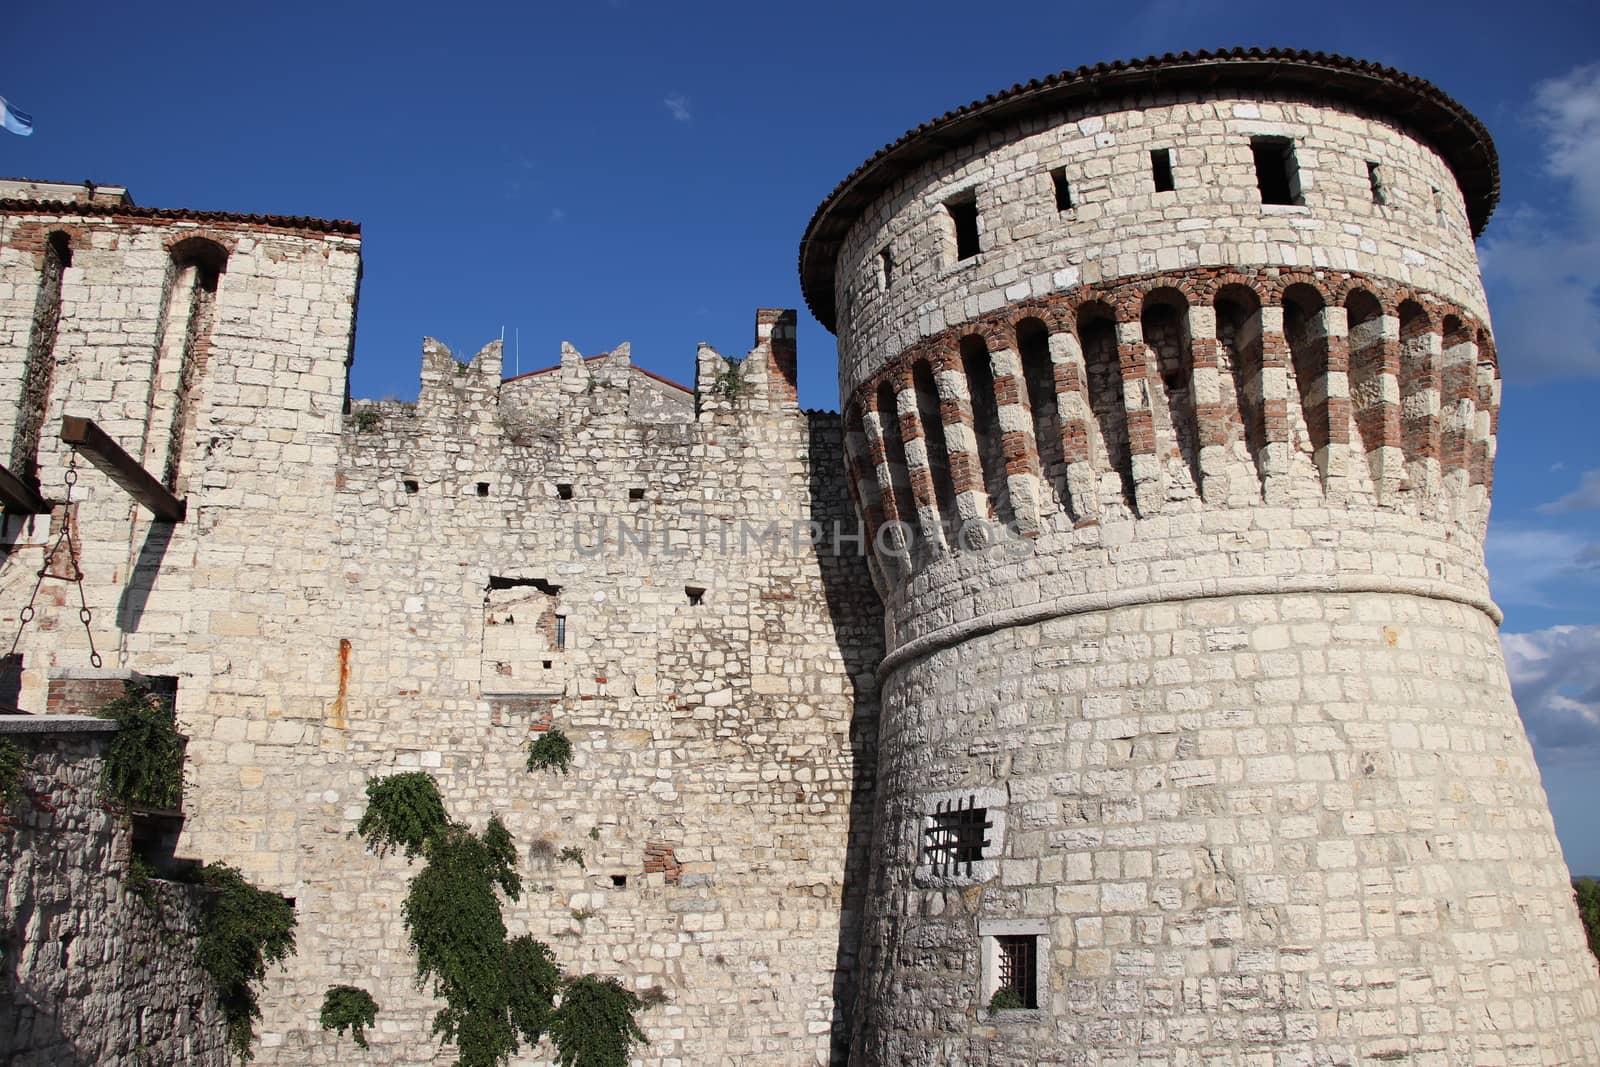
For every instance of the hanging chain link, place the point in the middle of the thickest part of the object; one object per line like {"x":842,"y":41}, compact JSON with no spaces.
{"x":86,"y":616}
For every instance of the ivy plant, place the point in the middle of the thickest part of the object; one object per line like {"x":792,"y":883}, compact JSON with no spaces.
{"x":404,"y":811}
{"x":551,"y":751}
{"x":12,"y":761}
{"x":242,"y":931}
{"x":345,"y":1007}
{"x":594,"y":1026}
{"x":729,"y":381}
{"x":497,"y":992}
{"x":144,"y":764}
{"x":1006,"y":999}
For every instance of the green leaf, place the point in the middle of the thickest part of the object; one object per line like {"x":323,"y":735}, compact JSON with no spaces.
{"x":404,"y":811}
{"x":594,"y":1026}
{"x":345,"y":1007}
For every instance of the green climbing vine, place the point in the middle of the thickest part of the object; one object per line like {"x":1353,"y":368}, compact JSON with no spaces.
{"x":498,"y":992}
{"x":594,"y":1026}
{"x":242,"y":930}
{"x":12,"y":761}
{"x":551,"y":751}
{"x":344,"y":1007}
{"x":403,"y":811}
{"x":729,"y":381}
{"x":144,"y":765}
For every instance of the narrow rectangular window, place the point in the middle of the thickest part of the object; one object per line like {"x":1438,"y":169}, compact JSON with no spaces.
{"x":1161,"y":169}
{"x":963,"y":211}
{"x":1438,"y":206}
{"x":1375,"y":180}
{"x":636,"y":494}
{"x":564,"y":490}
{"x":885,"y":270}
{"x":561,"y":632}
{"x":1018,"y":960}
{"x":483,"y":488}
{"x":1277,"y":173}
{"x":695,"y":594}
{"x":1058,"y":178}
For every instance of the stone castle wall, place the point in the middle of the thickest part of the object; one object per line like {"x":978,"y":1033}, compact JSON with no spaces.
{"x":89,"y":972}
{"x":401,"y":587}
{"x":1304,"y":828}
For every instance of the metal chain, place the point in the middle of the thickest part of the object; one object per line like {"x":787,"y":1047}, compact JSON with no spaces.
{"x":26,"y":615}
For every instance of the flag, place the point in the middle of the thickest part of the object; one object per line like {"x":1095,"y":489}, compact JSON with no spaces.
{"x":16,"y":121}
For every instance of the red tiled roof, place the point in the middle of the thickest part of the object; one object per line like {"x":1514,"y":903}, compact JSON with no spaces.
{"x":276,"y":222}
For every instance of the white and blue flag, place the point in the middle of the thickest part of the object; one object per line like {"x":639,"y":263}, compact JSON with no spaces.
{"x":16,"y":121}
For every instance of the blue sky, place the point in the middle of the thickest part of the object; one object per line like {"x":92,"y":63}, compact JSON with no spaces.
{"x":639,"y":171}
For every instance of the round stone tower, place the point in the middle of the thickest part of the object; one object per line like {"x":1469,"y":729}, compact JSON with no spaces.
{"x":1197,"y":746}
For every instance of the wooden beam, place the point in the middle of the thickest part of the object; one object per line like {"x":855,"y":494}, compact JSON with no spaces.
{"x":90,"y":440}
{"x":19,"y":497}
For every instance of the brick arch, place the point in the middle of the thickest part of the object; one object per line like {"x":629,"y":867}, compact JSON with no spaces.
{"x":1288,"y":280}
{"x":1229,"y":279}
{"x":1420,"y":338}
{"x":204,"y":247}
{"x":995,"y":332}
{"x":1110,"y":448}
{"x":1164,"y":327}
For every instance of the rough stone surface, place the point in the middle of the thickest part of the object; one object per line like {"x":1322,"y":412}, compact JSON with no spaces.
{"x":93,"y":973}
{"x":401,"y":587}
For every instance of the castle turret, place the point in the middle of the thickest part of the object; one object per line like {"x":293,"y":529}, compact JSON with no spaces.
{"x":1175,"y":380}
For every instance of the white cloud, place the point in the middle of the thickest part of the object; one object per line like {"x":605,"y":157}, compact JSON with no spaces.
{"x":1584,"y":498}
{"x":1540,"y":268}
{"x":1555,"y":675}
{"x":678,"y":106}
{"x":1539,"y":567}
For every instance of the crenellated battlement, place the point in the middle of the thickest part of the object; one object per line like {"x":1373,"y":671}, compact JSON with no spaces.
{"x":565,"y":401}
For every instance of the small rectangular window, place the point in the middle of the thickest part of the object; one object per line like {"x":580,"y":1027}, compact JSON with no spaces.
{"x":561,"y":632}
{"x":564,"y":490}
{"x":963,"y":212}
{"x":483,"y":488}
{"x":695,"y":594}
{"x":1018,"y":960}
{"x":1277,"y":173}
{"x":635,"y":494}
{"x":1438,"y":205}
{"x":1375,"y":180}
{"x":1058,"y":179}
{"x":619,"y":881}
{"x":410,"y":484}
{"x":1161,"y":169}
{"x":885,"y":270}
{"x":956,"y":836}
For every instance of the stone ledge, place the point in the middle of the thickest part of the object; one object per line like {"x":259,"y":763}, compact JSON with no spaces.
{"x":56,"y":724}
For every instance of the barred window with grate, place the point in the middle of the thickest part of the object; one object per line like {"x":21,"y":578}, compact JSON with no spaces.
{"x":958,"y":835}
{"x":1018,"y":959}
